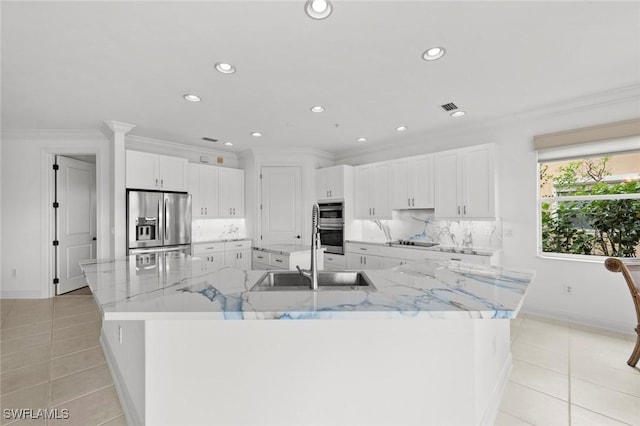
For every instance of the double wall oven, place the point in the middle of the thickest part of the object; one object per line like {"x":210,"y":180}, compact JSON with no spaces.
{"x":331,"y":227}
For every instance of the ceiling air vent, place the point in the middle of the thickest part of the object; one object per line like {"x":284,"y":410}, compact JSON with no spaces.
{"x":449,"y":107}
{"x":210,"y":139}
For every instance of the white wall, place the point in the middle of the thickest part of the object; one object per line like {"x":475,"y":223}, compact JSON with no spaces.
{"x":307,"y":159}
{"x":600,"y":298}
{"x":27,"y":194}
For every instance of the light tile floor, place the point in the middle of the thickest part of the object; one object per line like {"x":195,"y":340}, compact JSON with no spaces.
{"x":563,"y":374}
{"x":51,"y":358}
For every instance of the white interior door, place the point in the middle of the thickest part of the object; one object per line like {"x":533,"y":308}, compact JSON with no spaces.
{"x":76,"y":220}
{"x":281,"y":192}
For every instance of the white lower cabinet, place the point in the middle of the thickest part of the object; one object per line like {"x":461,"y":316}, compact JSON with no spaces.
{"x":363,"y":261}
{"x":335,"y":262}
{"x":234,"y":254}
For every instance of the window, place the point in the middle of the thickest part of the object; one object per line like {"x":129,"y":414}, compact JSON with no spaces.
{"x":590,"y":206}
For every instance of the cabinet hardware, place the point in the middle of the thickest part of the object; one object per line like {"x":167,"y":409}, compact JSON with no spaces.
{"x":161,"y":183}
{"x":362,"y":248}
{"x":365,"y":260}
{"x":413,"y":202}
{"x":409,"y":202}
{"x":374,"y":211}
{"x":278,"y":260}
{"x":156,"y":183}
{"x":458,"y":210}
{"x":229,"y":211}
{"x":465,"y":209}
{"x":205,"y":210}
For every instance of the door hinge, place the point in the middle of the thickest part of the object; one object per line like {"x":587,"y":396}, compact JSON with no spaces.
{"x":56,"y":280}
{"x":56,"y":242}
{"x":56,"y":205}
{"x":56,"y":167}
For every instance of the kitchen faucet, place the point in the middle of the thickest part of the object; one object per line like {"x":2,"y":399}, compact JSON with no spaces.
{"x":312,"y":272}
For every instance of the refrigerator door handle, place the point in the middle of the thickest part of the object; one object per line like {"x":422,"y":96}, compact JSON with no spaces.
{"x":160,"y":226}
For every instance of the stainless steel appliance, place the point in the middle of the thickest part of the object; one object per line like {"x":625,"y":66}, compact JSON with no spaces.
{"x":331,"y":227}
{"x":158,"y":222}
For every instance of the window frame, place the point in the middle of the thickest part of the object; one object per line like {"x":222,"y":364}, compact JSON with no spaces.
{"x":628,"y":145}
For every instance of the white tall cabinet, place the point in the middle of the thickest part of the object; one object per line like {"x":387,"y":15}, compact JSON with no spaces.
{"x":231,"y":192}
{"x":372,"y":191}
{"x":154,"y":171}
{"x":465,"y":183}
{"x":203,"y":187}
{"x":331,"y":181}
{"x":413,"y":183}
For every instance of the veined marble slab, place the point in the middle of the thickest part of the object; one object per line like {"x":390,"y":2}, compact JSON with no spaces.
{"x":177,"y":286}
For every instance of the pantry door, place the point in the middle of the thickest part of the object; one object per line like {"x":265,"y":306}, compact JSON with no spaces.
{"x":281,"y":192}
{"x":76,"y":221}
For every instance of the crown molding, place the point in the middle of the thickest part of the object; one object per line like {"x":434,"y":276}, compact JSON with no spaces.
{"x":280,"y":149}
{"x":537,"y":114}
{"x":119,"y":127}
{"x":52,"y":133}
{"x":170,"y":145}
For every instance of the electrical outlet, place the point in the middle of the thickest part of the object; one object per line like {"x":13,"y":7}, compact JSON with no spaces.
{"x":568,"y":289}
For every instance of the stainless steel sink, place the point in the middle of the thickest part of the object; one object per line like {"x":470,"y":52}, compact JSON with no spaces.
{"x":292,"y":280}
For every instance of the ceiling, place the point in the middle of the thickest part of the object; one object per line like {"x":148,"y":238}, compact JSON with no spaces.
{"x":72,"y":65}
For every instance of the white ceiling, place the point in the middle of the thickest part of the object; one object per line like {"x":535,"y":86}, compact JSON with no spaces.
{"x":72,"y":65}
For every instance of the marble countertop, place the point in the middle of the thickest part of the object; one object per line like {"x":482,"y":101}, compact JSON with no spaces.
{"x":285,"y":249}
{"x":177,"y":286}
{"x":478,"y":251}
{"x":209,"y":241}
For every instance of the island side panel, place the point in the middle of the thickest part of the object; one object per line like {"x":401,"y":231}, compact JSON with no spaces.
{"x":124,"y":347}
{"x":493,"y":365}
{"x":306,"y":371}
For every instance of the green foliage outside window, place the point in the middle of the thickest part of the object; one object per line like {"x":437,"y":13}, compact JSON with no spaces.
{"x":591,"y":227}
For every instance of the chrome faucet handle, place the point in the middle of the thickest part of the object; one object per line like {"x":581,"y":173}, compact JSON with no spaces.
{"x":303,"y":272}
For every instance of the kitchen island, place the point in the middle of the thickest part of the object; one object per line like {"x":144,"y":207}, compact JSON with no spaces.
{"x":285,"y":256}
{"x":190,"y":345}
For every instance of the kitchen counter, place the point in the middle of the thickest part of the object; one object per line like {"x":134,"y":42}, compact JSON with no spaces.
{"x":179,"y":286}
{"x":478,"y":251}
{"x":185,"y":344}
{"x":286,"y":249}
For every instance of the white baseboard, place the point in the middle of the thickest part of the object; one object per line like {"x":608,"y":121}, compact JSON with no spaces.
{"x":584,"y":320}
{"x":490,"y":413}
{"x":37,"y":294}
{"x":123,"y":395}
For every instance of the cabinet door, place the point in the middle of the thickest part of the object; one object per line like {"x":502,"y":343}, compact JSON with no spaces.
{"x":447,"y":166}
{"x":209,"y":190}
{"x":236,"y":192}
{"x":422,"y":182}
{"x":322,"y":184}
{"x":362,"y":184}
{"x":245,"y":259}
{"x":354,"y":261}
{"x":141,"y":170}
{"x":336,"y":182}
{"x":379,"y":191}
{"x":478,"y":177}
{"x":197,"y":206}
{"x":400,"y":196}
{"x":172,"y":172}
{"x":372,"y":262}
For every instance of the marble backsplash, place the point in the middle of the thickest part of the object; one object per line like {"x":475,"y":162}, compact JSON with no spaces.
{"x":217,"y":229}
{"x":420,"y":225}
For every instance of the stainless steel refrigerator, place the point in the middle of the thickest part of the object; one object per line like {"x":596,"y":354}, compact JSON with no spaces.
{"x":158,"y":222}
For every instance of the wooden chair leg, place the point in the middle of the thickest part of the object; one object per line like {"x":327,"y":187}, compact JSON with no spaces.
{"x":635,"y":355}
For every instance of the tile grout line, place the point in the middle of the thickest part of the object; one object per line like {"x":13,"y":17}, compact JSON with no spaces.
{"x":84,"y":394}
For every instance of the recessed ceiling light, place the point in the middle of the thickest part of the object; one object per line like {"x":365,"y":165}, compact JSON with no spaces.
{"x":457,"y":113}
{"x":318,"y":9}
{"x":228,"y":144}
{"x":401,"y":128}
{"x":433,"y":53}
{"x":225,"y":68}
{"x":317,"y":108}
{"x":191,"y":98}
{"x":362,"y":139}
{"x":256,"y":134}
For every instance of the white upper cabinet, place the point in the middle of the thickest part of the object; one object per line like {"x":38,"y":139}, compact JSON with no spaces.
{"x":154,"y":171}
{"x":330,"y":182}
{"x":413,"y":183}
{"x":465,"y":183}
{"x":231,"y":192}
{"x":372,"y":191}
{"x":203,"y":187}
